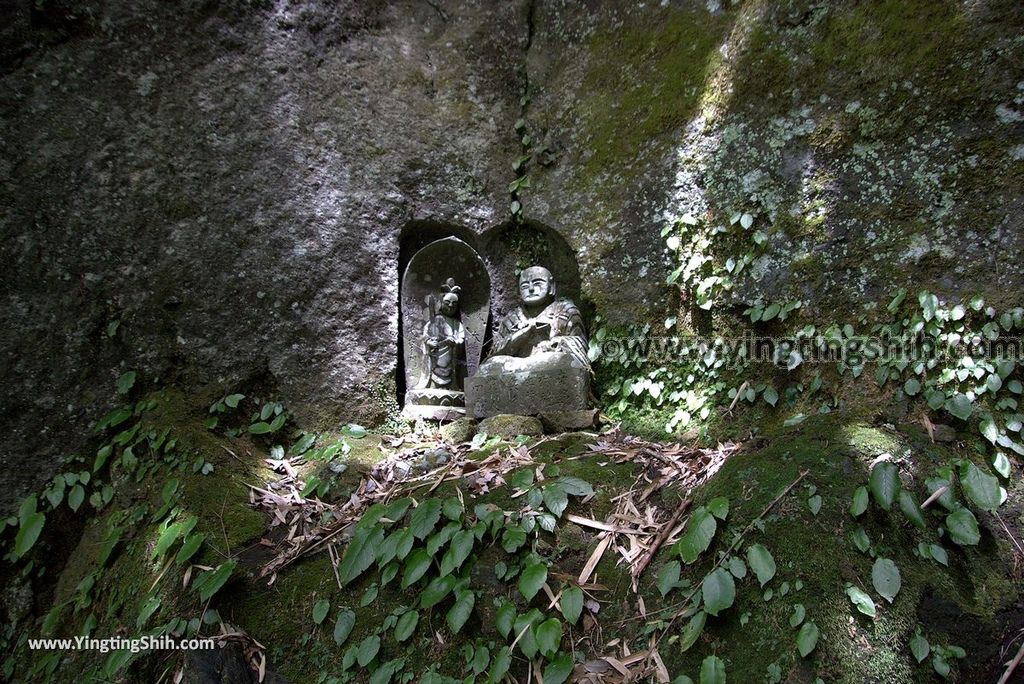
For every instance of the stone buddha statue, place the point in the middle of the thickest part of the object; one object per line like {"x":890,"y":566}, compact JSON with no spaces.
{"x":444,"y":342}
{"x":538,"y":361}
{"x":541,"y":323}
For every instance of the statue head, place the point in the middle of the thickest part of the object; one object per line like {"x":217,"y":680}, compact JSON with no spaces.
{"x":450,"y":304}
{"x":536,"y":286}
{"x":450,"y":298}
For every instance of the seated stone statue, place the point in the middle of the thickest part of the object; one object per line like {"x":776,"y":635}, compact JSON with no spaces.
{"x":542,"y":323}
{"x":538,"y":361}
{"x":444,"y":343}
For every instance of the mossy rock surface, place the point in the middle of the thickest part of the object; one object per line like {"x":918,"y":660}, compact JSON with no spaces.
{"x":508,"y":426}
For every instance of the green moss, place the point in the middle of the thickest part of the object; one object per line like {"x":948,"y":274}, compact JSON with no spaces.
{"x":763,"y":68}
{"x":879,"y":43}
{"x":818,"y":552}
{"x":652,"y":87}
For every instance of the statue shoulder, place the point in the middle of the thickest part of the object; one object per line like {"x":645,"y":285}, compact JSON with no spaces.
{"x":565,"y":307}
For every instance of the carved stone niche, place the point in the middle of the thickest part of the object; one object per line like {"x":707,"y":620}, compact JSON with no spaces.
{"x":445,"y":305}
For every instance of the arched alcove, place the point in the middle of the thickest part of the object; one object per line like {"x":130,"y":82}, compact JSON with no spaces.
{"x":415,"y":236}
{"x":510,"y":247}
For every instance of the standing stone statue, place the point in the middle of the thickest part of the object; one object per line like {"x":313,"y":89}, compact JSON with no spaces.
{"x":539,"y":358}
{"x":444,"y":342}
{"x":443,"y":327}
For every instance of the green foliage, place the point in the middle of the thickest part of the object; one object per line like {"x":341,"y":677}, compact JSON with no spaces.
{"x":884,"y":484}
{"x":719,"y":591}
{"x":885,"y":577}
{"x":697,"y":536}
{"x":761,"y":562}
{"x":807,"y":639}
{"x":861,"y":600}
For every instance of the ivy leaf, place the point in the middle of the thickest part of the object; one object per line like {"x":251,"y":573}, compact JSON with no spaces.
{"x":571,"y":604}
{"x":668,"y":577}
{"x":939,"y":554}
{"x":694,"y":628}
{"x":532,"y":579}
{"x":126,"y":382}
{"x":719,"y":591}
{"x":559,"y":669}
{"x":343,"y":626}
{"x":151,"y":606}
{"x":500,"y":666}
{"x":369,"y":596}
{"x":700,"y":530}
{"x":504,"y":618}
{"x":712,"y":671}
{"x":458,"y":551}
{"x":981,"y":488}
{"x":719,"y":507}
{"x":210,"y":582}
{"x":988,"y":428}
{"x":555,"y":499}
{"x":512,"y":538}
{"x":860,"y":599}
{"x":814,"y":503}
{"x":799,"y":612}
{"x":884,"y":483}
{"x":940,"y":665}
{"x":770,"y":396}
{"x":424,"y":518}
{"x":959,"y":405}
{"x":360,"y":553}
{"x":1001,"y":464}
{"x":885,"y":577}
{"x":461,"y":610}
{"x":76,"y":496}
{"x":963,"y":527}
{"x":168,"y":535}
{"x":368,"y":649}
{"x":761,"y":562}
{"x":548,"y":636}
{"x":737,"y":567}
{"x":575,"y":486}
{"x":416,"y":565}
{"x":860,"y":540}
{"x":524,"y":631}
{"x":436,"y":591}
{"x":384,"y":673}
{"x":189,"y":547}
{"x":320,"y":610}
{"x":911,"y":509}
{"x":807,"y":639}
{"x":860,"y":502}
{"x":28,"y":533}
{"x":920,"y":647}
{"x":946,"y":500}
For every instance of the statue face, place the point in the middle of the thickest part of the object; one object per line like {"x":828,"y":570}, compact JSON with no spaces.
{"x":536,"y":286}
{"x":449,"y":305}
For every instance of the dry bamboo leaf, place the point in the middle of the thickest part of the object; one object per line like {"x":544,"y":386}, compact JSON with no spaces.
{"x":594,"y":559}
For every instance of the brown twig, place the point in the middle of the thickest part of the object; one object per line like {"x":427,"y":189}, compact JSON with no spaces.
{"x":935,"y":496}
{"x":1013,"y":540}
{"x":1012,"y":666}
{"x":660,"y":539}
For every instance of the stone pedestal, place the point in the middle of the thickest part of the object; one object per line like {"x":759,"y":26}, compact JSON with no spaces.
{"x":542,"y":383}
{"x":434,"y":404}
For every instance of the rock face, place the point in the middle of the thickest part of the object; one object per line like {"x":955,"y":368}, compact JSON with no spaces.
{"x":226,"y":195}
